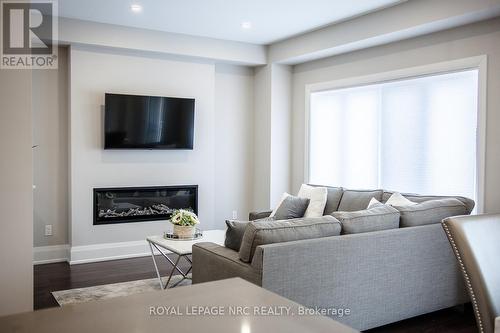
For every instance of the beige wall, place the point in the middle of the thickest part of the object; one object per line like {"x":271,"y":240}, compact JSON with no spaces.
{"x":262,"y":138}
{"x":16,"y":205}
{"x":50,"y":157}
{"x":272,"y":117}
{"x":467,"y":41}
{"x":233,"y":140}
{"x":281,"y":100}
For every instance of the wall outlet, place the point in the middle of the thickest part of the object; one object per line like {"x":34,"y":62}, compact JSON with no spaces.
{"x":235,"y":214}
{"x":48,"y":230}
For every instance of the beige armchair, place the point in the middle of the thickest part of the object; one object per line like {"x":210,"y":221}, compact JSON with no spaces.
{"x":476,"y":243}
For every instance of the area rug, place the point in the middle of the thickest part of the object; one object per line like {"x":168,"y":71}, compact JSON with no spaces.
{"x":106,"y":291}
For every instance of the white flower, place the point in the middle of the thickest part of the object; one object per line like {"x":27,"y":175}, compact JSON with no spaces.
{"x":184,"y":218}
{"x":176,"y":218}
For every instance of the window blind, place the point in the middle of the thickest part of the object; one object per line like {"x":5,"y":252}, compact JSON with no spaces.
{"x":413,"y":135}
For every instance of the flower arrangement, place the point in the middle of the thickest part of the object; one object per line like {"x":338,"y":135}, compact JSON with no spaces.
{"x":183,"y":217}
{"x":184,"y":222}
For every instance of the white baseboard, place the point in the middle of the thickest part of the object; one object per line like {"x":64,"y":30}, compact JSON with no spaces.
{"x":108,"y":251}
{"x":50,"y":254}
{"x":90,"y":253}
{"x":103,"y":252}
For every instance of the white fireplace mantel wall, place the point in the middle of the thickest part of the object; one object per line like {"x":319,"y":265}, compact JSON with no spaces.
{"x":94,"y":73}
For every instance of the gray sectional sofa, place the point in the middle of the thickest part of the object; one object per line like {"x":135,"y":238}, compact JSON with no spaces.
{"x":380,"y":276}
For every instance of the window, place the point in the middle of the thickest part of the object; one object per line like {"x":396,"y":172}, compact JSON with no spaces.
{"x":413,"y":135}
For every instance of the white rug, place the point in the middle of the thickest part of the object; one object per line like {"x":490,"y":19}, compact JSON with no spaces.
{"x":95,"y":293}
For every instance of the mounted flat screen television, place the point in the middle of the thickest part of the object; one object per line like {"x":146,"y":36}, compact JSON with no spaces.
{"x":148,"y":122}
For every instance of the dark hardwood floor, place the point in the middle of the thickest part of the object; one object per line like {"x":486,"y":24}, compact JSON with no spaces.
{"x":61,"y":276}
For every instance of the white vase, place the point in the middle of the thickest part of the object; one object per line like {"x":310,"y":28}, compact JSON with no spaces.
{"x":182,"y":231}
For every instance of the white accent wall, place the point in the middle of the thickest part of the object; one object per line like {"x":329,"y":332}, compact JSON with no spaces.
{"x":219,"y":163}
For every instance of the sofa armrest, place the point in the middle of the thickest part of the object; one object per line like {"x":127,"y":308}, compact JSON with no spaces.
{"x":252,"y":216}
{"x":215,"y":262}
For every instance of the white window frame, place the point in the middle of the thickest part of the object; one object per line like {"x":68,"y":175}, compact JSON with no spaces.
{"x":478,"y":62}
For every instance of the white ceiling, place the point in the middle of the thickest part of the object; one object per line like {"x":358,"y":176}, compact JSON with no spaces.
{"x":271,"y":20}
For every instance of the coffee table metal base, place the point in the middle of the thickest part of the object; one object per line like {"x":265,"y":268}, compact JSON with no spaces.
{"x":174,"y":268}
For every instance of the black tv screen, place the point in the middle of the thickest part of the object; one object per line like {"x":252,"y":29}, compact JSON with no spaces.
{"x":148,"y":122}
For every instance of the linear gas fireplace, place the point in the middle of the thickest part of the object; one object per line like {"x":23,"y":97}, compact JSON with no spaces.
{"x":136,"y":204}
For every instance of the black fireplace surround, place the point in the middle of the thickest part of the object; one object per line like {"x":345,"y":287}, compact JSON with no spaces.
{"x":138,"y":204}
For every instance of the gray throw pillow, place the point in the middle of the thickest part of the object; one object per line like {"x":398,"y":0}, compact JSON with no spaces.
{"x":354,"y":200}
{"x":291,"y":208}
{"x":432,"y":211}
{"x":234,"y":233}
{"x":379,"y":217}
{"x":269,"y":232}
{"x":235,"y":230}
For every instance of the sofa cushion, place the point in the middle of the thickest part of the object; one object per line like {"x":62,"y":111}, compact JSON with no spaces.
{"x":269,"y":232}
{"x":291,"y":208}
{"x":353,"y":200}
{"x":379,"y":217}
{"x":235,"y":230}
{"x":432,"y":211}
{"x":317,"y":199}
{"x":334,"y":194}
{"x":469,"y":203}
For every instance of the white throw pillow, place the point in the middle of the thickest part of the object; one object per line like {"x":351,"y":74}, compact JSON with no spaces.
{"x":397,"y":199}
{"x":283,"y":197}
{"x":317,"y":199}
{"x":373,"y":202}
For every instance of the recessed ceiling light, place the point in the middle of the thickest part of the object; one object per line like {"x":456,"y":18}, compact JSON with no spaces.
{"x":136,"y":8}
{"x":246,"y":25}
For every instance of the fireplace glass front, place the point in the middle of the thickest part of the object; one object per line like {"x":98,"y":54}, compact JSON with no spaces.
{"x":136,"y":204}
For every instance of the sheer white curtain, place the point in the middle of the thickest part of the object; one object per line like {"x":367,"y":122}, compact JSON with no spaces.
{"x":413,"y":135}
